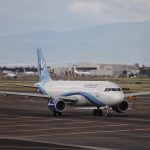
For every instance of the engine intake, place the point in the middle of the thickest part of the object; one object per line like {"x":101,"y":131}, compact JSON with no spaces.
{"x":57,"y":106}
{"x":120,"y":108}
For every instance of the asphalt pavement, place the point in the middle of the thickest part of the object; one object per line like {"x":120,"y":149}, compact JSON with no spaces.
{"x":28,"y":124}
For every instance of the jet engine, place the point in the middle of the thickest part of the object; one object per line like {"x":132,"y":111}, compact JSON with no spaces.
{"x":57,"y":105}
{"x":120,"y":108}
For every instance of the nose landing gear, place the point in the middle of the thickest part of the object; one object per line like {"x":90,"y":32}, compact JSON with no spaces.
{"x":98,"y":111}
{"x":108,"y":111}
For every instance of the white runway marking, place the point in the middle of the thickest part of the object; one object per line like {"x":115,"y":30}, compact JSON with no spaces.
{"x":21,"y":121}
{"x":47,"y":120}
{"x":65,"y":128}
{"x":3,"y":115}
{"x":34,"y":147}
{"x":59,"y":144}
{"x":43,"y":124}
{"x":18,"y":117}
{"x":91,"y":132}
{"x":141,"y":129}
{"x":133,"y":119}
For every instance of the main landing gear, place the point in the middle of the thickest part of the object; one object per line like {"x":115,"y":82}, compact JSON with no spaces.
{"x":98,"y":112}
{"x":57,"y":113}
{"x":108,"y":111}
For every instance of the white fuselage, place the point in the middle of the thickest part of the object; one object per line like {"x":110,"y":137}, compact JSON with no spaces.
{"x":80,"y":73}
{"x":11,"y":75}
{"x":105,"y":92}
{"x":5,"y":72}
{"x":29,"y":73}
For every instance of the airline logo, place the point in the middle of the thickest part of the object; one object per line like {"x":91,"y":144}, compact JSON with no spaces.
{"x":91,"y":85}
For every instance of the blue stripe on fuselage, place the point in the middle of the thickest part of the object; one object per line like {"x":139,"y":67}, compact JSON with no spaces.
{"x":88,"y":96}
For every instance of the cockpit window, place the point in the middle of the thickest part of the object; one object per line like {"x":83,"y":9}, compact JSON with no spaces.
{"x":112,"y":89}
{"x":118,"y":89}
{"x":106,"y":89}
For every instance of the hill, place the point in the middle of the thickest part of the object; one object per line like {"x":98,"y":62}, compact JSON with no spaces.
{"x":121,"y":42}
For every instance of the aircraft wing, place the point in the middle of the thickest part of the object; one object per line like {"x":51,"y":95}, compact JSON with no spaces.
{"x":21,"y":85}
{"x":70,"y":99}
{"x":137,"y":94}
{"x":24,"y":94}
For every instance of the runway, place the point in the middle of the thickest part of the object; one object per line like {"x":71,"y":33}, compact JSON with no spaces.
{"x":30,"y":125}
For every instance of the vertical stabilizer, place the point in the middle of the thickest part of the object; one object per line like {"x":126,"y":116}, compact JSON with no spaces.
{"x":75,"y":70}
{"x":43,"y":72}
{"x":16,"y":72}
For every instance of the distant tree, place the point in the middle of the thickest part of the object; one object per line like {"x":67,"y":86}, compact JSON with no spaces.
{"x":137,"y":65}
{"x":143,"y":66}
{"x":131,"y":75}
{"x":145,"y":71}
{"x":124,"y":72}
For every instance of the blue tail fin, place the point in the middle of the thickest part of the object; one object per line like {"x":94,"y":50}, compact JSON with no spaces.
{"x":43,"y":72}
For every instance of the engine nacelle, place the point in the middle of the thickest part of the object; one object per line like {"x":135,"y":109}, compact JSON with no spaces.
{"x":120,"y":108}
{"x":57,"y":106}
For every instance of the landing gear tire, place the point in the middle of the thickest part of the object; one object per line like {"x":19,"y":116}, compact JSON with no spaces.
{"x":108,"y":112}
{"x":57,"y":113}
{"x":97,"y":112}
{"x":108,"y":115}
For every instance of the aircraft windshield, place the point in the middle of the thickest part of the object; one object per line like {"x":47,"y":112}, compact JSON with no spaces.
{"x":112,"y":89}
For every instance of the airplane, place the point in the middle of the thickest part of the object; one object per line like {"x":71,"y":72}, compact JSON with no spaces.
{"x":81,"y":73}
{"x":12,"y":75}
{"x":29,"y":73}
{"x":5,"y":72}
{"x":97,"y":95}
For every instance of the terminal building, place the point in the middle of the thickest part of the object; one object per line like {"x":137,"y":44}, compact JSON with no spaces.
{"x":97,"y":69}
{"x":101,"y":69}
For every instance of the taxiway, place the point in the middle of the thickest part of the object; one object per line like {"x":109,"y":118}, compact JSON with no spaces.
{"x":28,"y":123}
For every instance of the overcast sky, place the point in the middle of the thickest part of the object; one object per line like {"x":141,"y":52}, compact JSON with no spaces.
{"x":22,"y":16}
{"x":17,"y":16}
